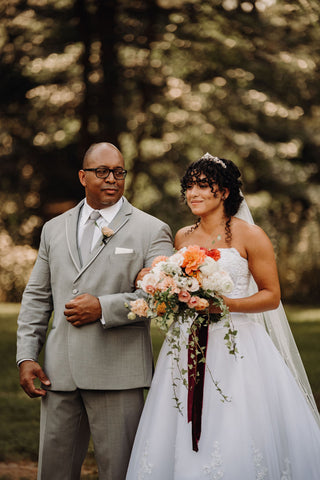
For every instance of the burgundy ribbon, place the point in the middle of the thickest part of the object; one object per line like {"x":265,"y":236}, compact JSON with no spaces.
{"x":196,"y":379}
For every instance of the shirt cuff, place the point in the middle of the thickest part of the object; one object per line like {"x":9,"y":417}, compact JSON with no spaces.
{"x":25,"y":360}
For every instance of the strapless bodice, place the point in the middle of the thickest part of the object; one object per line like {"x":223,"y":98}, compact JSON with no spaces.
{"x":232,"y":262}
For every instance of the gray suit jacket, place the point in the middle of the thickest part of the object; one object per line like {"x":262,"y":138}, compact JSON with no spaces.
{"x":118,"y":356}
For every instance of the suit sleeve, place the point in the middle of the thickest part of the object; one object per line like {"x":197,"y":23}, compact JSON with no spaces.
{"x":36,"y":308}
{"x":114,"y":310}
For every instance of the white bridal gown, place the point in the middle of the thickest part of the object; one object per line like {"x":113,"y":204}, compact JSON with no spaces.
{"x":266,"y":431}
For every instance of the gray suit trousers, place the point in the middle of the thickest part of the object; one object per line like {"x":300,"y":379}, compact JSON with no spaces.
{"x":68,"y":418}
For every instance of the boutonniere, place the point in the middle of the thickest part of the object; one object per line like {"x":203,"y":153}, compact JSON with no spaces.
{"x":107,"y":233}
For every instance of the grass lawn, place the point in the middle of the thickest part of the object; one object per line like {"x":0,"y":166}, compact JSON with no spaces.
{"x":19,"y":415}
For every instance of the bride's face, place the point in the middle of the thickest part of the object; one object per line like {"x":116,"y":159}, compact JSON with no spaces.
{"x":202,"y":198}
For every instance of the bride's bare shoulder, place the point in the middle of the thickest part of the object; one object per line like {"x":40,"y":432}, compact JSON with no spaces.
{"x":244,"y":227}
{"x":182,"y":235}
{"x":250,"y":233}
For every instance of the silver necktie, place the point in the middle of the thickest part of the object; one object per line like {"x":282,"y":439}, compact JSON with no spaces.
{"x":87,"y":236}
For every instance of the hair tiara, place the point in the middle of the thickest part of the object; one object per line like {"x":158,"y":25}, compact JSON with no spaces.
{"x":207,"y":156}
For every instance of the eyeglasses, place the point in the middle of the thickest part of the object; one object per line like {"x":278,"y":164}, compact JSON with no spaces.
{"x":104,"y":172}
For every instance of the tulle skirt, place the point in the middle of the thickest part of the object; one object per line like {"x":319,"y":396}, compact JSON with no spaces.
{"x":266,"y":431}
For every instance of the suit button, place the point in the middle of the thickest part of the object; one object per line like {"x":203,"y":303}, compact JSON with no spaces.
{"x":75,"y":291}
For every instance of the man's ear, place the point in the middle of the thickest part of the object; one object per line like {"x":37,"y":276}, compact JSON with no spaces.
{"x":82,"y":178}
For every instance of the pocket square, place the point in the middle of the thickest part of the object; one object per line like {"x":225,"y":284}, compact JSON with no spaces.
{"x":120,"y":250}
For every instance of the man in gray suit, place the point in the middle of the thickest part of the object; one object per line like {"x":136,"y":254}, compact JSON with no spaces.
{"x":97,"y":362}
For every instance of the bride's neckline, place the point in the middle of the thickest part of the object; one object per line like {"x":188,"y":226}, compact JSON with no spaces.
{"x":235,"y":250}
{"x":219,"y":248}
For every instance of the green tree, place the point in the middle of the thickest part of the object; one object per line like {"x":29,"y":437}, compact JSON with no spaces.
{"x":166,"y":81}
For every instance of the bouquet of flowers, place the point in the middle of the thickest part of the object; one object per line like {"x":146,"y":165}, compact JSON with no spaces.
{"x":182,"y":287}
{"x":179,"y":293}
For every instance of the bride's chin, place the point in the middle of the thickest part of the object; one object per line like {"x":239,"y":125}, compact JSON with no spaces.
{"x":198,"y":209}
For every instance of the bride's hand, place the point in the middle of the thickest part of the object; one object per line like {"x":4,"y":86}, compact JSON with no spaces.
{"x":214,"y":308}
{"x":140,"y":275}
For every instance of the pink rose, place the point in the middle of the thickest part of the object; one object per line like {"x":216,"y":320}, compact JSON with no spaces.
{"x":193,"y":302}
{"x":184,"y":296}
{"x":149,"y":289}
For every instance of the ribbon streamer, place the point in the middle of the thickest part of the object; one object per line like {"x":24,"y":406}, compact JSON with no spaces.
{"x":198,"y":339}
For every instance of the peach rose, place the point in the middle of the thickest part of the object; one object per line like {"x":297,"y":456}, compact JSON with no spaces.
{"x":160,"y":258}
{"x":202,"y":304}
{"x":168,"y":283}
{"x":107,"y":232}
{"x":139,"y":307}
{"x":193,"y":258}
{"x":198,"y":303}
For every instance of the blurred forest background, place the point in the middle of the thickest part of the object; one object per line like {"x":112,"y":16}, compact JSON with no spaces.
{"x":165,"y":81}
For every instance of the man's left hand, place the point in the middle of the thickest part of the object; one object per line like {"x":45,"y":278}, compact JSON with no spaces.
{"x":82,"y":310}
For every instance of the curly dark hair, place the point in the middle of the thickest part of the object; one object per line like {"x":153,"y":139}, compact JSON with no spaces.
{"x":218,"y":172}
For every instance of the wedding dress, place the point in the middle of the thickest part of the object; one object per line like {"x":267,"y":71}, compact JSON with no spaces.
{"x":265,"y":431}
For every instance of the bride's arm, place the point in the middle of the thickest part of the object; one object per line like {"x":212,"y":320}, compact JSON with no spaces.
{"x":262,"y":265}
{"x":141,"y":274}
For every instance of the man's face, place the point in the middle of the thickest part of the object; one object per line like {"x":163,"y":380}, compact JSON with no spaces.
{"x":102,"y":192}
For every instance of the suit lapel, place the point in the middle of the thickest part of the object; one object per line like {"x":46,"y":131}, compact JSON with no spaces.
{"x":72,"y":234}
{"x":122,"y":216}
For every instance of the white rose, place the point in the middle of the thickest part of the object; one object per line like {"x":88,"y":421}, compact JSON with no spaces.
{"x":210,"y":283}
{"x":157,"y":271}
{"x":209,"y":267}
{"x":226,"y":283}
{"x":177,"y":258}
{"x":171,"y":268}
{"x":219,"y":282}
{"x":192,"y":284}
{"x":182,"y":282}
{"x":148,"y":279}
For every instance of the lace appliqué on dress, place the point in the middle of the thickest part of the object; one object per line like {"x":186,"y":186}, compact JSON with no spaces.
{"x":286,"y":474}
{"x":258,"y":460}
{"x":261,"y":469}
{"x":214,"y":470}
{"x":145,"y":468}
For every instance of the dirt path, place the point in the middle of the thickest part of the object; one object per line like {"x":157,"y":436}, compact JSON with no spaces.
{"x":15,"y":471}
{"x":28,"y":471}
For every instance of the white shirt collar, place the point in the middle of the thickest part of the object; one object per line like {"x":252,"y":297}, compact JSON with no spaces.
{"x":107,"y":213}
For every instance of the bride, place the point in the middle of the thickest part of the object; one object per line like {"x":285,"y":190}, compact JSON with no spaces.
{"x":268,"y":429}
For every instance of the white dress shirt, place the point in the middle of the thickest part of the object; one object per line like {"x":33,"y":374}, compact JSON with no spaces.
{"x":107,"y":215}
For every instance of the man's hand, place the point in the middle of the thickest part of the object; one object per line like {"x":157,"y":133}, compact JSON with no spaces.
{"x":82,"y":310}
{"x":29,"y":371}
